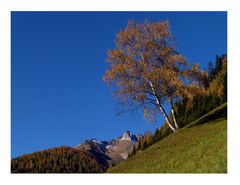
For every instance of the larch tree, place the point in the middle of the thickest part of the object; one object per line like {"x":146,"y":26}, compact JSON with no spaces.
{"x":146,"y":71}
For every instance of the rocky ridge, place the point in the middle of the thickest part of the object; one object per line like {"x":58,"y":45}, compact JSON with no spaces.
{"x":108,"y":153}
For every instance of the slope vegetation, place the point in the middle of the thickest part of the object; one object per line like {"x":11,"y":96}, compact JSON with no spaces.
{"x":57,"y":160}
{"x":198,"y":149}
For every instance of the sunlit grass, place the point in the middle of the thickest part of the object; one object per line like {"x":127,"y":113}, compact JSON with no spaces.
{"x":199,"y":149}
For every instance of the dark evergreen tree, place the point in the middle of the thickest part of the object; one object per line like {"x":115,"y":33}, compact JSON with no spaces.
{"x":211,"y":71}
{"x":218,"y":64}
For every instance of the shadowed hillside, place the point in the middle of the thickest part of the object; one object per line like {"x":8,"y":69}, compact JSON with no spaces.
{"x":57,"y":160}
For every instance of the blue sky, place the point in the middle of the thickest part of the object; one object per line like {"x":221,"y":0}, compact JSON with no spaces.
{"x":58,"y":59}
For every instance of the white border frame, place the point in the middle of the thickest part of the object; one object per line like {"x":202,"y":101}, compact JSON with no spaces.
{"x":233,"y":8}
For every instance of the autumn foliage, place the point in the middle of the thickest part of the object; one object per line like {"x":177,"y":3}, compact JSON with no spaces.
{"x":146,"y":71}
{"x":215,"y":94}
{"x":57,"y":160}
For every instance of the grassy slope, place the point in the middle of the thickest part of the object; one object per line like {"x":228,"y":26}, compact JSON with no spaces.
{"x":200,"y":149}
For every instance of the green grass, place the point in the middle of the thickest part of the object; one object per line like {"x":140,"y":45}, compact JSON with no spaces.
{"x":198,"y":149}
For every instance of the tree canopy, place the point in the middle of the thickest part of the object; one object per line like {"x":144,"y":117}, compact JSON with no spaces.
{"x":146,"y":70}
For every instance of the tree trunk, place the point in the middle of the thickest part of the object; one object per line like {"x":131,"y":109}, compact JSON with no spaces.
{"x":173,"y":115}
{"x":161,"y":108}
{"x":174,"y":118}
{"x":158,"y":102}
{"x":166,"y":117}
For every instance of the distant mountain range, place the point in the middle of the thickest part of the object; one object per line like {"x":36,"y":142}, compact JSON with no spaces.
{"x":91,"y":156}
{"x":108,"y":153}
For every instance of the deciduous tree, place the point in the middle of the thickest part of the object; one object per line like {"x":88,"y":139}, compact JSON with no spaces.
{"x":146,"y":70}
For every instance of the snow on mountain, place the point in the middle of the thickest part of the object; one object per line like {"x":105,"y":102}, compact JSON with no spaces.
{"x":129,"y":137}
{"x":113,"y":151}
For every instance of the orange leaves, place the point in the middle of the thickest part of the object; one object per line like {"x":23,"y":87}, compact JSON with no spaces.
{"x":144,"y":37}
{"x":145,"y":52}
{"x":149,"y":114}
{"x":107,"y":76}
{"x":146,"y":70}
{"x":216,"y":88}
{"x":140,"y":97}
{"x":195,"y":67}
{"x":177,"y":59}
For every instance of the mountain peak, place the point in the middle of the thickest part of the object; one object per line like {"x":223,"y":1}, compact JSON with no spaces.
{"x":110,"y":152}
{"x":127,"y":136}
